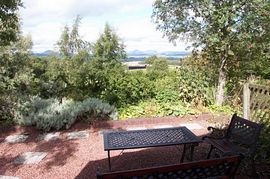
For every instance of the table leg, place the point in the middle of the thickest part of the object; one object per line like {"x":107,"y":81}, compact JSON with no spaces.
{"x":209,"y":153}
{"x":109,"y":159}
{"x":191,"y":152}
{"x":183,"y":154}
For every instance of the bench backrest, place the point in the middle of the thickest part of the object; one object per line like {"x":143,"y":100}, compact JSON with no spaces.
{"x":244,"y":132}
{"x":214,"y":168}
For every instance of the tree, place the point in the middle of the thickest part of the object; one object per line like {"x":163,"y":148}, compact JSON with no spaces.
{"x":109,"y":46}
{"x":219,"y":28}
{"x":76,"y":43}
{"x":64,"y":44}
{"x":105,"y":64}
{"x":9,"y":21}
{"x":70,"y":43}
{"x":14,"y":73}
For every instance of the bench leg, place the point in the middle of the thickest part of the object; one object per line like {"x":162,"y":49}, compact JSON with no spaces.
{"x":209,"y":153}
{"x":254,"y":173}
{"x":109,"y":160}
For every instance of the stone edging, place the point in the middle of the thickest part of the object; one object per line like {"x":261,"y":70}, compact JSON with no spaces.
{"x":146,"y":121}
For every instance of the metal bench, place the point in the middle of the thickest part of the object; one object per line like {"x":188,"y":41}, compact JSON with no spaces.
{"x":241,"y":138}
{"x":214,"y":168}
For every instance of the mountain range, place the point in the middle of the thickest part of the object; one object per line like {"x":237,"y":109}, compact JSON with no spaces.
{"x":45,"y":53}
{"x":133,"y":53}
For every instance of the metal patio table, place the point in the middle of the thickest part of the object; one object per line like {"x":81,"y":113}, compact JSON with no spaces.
{"x":134,"y":139}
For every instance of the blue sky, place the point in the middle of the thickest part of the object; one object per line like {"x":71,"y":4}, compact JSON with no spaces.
{"x":131,"y":19}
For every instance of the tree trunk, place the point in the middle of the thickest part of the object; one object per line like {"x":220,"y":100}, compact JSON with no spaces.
{"x":221,"y":82}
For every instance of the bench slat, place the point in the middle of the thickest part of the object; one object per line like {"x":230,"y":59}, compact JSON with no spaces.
{"x":217,"y":168}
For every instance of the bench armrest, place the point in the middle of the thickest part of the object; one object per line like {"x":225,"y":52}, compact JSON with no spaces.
{"x":213,"y":129}
{"x":215,"y":133}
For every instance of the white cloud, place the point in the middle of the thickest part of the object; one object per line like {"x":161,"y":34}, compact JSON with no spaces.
{"x":142,"y":34}
{"x":44,"y":20}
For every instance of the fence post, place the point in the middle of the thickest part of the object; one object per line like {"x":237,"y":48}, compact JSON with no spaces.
{"x":246,"y":101}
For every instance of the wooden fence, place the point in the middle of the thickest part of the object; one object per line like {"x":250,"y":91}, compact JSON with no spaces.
{"x":256,"y":102}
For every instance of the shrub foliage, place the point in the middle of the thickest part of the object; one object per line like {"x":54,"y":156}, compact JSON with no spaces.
{"x":48,"y":114}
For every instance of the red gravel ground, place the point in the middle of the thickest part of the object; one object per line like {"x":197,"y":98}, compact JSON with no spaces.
{"x":80,"y":158}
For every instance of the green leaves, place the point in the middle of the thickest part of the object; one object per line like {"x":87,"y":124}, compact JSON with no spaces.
{"x":128,"y":88}
{"x":9,"y":21}
{"x":230,"y":52}
{"x":196,"y":83}
{"x":70,"y":43}
{"x":152,"y":108}
{"x":228,"y":32}
{"x":14,"y":73}
{"x":109,"y":46}
{"x":157,"y":68}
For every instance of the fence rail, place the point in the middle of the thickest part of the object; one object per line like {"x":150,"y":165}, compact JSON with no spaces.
{"x":256,"y":102}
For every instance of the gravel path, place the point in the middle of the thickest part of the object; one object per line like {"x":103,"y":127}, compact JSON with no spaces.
{"x":80,"y":158}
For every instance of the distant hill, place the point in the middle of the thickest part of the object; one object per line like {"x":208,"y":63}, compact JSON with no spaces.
{"x":134,"y":55}
{"x":173,"y":53}
{"x":46,"y":53}
{"x":142,"y":53}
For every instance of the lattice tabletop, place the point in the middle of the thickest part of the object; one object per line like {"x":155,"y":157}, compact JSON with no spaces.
{"x":148,"y":138}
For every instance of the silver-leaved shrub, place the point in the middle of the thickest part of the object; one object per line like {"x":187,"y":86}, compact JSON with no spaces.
{"x":49,"y":114}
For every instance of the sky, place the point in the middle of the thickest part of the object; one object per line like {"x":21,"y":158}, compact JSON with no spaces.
{"x":131,"y":19}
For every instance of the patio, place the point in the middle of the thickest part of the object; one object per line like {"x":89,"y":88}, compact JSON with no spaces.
{"x":69,"y":157}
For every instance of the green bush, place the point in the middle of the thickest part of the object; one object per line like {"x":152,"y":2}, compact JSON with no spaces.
{"x":175,"y":109}
{"x":128,"y":88}
{"x":6,"y":110}
{"x":153,"y":108}
{"x":167,"y":95}
{"x":224,"y":109}
{"x":97,"y":109}
{"x":195,"y":87}
{"x":158,"y":67}
{"x":263,"y":116}
{"x":48,"y":114}
{"x":166,"y":88}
